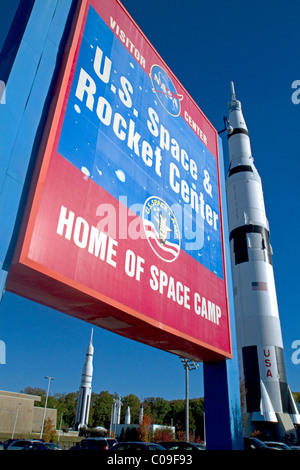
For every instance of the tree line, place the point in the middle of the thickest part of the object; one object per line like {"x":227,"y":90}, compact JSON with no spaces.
{"x":157,"y":409}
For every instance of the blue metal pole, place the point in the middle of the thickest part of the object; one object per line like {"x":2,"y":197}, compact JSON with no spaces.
{"x":223,"y":419}
{"x":29,"y":85}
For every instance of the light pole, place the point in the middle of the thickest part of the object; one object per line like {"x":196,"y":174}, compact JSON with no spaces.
{"x":16,"y":418}
{"x":44,"y":414}
{"x":188,"y":365}
{"x":61,"y":416}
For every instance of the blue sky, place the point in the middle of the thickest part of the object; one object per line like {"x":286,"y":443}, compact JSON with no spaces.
{"x":206,"y":44}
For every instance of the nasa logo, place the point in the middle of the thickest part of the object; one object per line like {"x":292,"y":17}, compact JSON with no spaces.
{"x":161,"y":229}
{"x":165,"y":90}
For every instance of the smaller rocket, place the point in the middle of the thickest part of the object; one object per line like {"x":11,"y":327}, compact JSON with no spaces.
{"x":84,"y":397}
{"x":128,"y":416}
{"x":259,"y":337}
{"x":141,"y":414}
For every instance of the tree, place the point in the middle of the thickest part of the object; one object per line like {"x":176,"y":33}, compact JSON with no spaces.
{"x":66,"y":409}
{"x":176,"y":414}
{"x":144,"y":429}
{"x":134,"y":403}
{"x":158,"y":408}
{"x":49,"y":431}
{"x":197,"y":413}
{"x":130,"y":434}
{"x":35,"y":391}
{"x":163,"y":435}
{"x":101,"y":409}
{"x":296,"y":396}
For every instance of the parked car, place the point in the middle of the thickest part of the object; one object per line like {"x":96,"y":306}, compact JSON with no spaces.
{"x":94,"y":443}
{"x":7,"y":442}
{"x":187,"y":446}
{"x":252,"y":443}
{"x":134,"y":446}
{"x":277,"y":445}
{"x":200,"y":446}
{"x":19,"y":444}
{"x":42,"y":446}
{"x":111,"y":442}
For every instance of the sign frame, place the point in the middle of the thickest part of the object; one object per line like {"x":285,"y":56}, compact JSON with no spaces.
{"x":43,"y":284}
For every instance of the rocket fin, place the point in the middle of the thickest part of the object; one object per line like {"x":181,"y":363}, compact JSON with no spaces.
{"x":293,"y":410}
{"x":266,"y":408}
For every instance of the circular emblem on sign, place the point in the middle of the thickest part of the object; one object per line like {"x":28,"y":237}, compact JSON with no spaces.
{"x":165,"y":90}
{"x":161,"y":229}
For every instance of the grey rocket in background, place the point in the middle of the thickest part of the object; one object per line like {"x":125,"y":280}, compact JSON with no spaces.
{"x":84,"y":396}
{"x":259,"y":338}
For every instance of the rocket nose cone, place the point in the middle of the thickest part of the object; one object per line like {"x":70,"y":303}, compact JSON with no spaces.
{"x":236,"y":119}
{"x":232,"y":91}
{"x":234,"y":104}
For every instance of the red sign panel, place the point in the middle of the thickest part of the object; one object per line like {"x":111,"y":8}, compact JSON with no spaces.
{"x":124,"y":223}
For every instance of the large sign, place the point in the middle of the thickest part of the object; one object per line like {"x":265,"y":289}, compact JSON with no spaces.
{"x":124,"y":225}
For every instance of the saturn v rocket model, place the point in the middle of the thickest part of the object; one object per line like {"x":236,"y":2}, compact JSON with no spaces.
{"x":259,"y":339}
{"x":84,"y":397}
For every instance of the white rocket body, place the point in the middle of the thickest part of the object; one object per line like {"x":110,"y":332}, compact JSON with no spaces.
{"x":141,"y":414}
{"x":259,"y":335}
{"x":128,"y":416}
{"x":85,"y":391}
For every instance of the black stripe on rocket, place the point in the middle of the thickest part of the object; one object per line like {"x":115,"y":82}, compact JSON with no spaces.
{"x":252,"y":378}
{"x":239,"y":169}
{"x":240,"y":245}
{"x":238,"y":130}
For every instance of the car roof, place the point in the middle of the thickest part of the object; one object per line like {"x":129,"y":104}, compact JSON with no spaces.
{"x":140,"y":443}
{"x":22,"y":442}
{"x":137,"y":442}
{"x":177,"y":443}
{"x":25,"y":440}
{"x":283,"y":444}
{"x":275,"y":442}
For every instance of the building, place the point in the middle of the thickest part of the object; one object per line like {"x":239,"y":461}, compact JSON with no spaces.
{"x":19,"y":417}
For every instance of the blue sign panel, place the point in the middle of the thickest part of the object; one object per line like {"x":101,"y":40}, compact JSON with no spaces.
{"x":123,"y":129}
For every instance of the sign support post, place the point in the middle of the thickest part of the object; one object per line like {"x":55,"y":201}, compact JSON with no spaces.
{"x":28,"y":65}
{"x":223,"y":422}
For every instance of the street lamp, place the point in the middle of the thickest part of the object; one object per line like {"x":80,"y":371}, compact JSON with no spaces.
{"x":61,"y":416}
{"x":44,"y":414}
{"x":188,"y":365}
{"x":16,"y":418}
